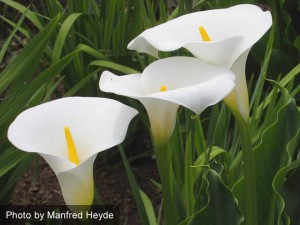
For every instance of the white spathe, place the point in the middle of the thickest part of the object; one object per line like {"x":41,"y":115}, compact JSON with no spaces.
{"x":188,"y":81}
{"x":232,"y":31}
{"x":96,"y":124}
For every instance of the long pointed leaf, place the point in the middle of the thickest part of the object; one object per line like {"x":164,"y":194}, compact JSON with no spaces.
{"x":13,"y":106}
{"x":26,"y":62}
{"x":135,"y":191}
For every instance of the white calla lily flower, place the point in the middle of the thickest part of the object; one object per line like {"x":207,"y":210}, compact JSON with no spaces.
{"x":68,"y":133}
{"x":218,"y":36}
{"x":168,"y":83}
{"x":222,"y":37}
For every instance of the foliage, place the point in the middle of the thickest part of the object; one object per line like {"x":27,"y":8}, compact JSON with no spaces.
{"x":66,"y":45}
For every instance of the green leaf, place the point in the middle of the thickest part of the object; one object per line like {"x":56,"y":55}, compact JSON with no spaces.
{"x":25,"y":63}
{"x":91,"y":51}
{"x":278,"y":182}
{"x":13,"y":106}
{"x":272,"y":157}
{"x":30,"y":15}
{"x":62,"y":35}
{"x":11,"y":35}
{"x":220,"y":206}
{"x":199,"y":164}
{"x":148,"y":207}
{"x":10,"y":159}
{"x":146,"y":215}
{"x":290,"y":190}
{"x":15,"y":25}
{"x":114,"y":66}
{"x":79,"y":85}
{"x":16,"y":175}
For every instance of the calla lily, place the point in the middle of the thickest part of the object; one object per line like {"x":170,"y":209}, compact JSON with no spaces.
{"x":221,"y":37}
{"x":162,"y":87}
{"x":68,"y":133}
{"x":168,"y":83}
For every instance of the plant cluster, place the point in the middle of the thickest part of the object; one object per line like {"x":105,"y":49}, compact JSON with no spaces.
{"x":234,"y":163}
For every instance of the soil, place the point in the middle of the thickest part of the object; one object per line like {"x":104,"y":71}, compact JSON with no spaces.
{"x":39,"y":186}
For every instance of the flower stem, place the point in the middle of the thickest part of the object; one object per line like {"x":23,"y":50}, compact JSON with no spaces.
{"x":250,"y":199}
{"x":165,"y":171}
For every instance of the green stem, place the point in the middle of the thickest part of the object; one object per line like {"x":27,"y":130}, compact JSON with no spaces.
{"x":165,"y":170}
{"x":250,"y":199}
{"x":189,"y":198}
